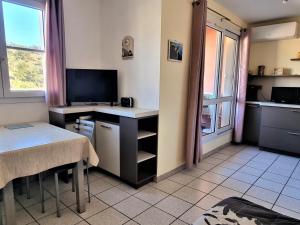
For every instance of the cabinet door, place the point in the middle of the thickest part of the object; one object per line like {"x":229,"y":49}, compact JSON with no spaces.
{"x":108,"y":147}
{"x":252,"y":123}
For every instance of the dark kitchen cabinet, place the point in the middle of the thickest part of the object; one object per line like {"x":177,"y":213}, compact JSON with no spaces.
{"x":252,"y":123}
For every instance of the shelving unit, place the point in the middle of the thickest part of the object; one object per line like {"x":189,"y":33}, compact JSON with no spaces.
{"x":295,"y":59}
{"x":143,"y":156}
{"x":139,"y":150}
{"x":144,"y":134}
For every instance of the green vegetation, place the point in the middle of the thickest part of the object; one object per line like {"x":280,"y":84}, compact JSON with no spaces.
{"x":25,"y":69}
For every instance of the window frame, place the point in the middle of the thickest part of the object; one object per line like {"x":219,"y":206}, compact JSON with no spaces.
{"x":219,"y":100}
{"x":4,"y":70}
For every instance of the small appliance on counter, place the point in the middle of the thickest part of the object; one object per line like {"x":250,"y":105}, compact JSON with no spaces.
{"x":261,"y":70}
{"x":127,"y":102}
{"x":286,"y":95}
{"x":252,"y":91}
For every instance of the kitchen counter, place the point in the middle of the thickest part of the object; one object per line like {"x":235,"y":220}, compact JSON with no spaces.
{"x":113,"y":110}
{"x":273,"y":104}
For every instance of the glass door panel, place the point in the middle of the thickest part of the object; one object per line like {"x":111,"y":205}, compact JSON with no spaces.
{"x":212,"y":52}
{"x":208,"y":119}
{"x":228,"y":67}
{"x":224,"y":114}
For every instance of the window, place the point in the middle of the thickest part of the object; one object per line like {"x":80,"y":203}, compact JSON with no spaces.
{"x":219,"y":81}
{"x":22,"y":48}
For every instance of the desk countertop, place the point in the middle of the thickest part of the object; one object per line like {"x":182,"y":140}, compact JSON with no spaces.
{"x":273,"y":104}
{"x":114,"y":110}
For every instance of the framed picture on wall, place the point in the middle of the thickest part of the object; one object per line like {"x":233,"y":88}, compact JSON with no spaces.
{"x":175,"y":51}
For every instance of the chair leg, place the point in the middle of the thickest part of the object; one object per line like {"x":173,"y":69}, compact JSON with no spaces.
{"x":88,"y":181}
{"x":42,"y":192}
{"x":27,"y":187}
{"x":57,"y":195}
{"x":73,"y":181}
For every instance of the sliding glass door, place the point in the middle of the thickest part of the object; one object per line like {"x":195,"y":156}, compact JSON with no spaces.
{"x":219,"y":81}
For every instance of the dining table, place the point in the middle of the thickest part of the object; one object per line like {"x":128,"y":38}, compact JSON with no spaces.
{"x":31,"y":148}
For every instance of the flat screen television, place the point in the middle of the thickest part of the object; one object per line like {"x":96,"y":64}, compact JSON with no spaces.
{"x":91,"y":86}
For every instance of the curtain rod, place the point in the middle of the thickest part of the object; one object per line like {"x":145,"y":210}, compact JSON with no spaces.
{"x":224,"y":17}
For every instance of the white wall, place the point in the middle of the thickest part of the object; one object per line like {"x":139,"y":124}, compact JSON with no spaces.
{"x":138,"y":77}
{"x":23,"y":112}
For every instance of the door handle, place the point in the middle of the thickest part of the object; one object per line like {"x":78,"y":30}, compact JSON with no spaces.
{"x":106,"y":127}
{"x":293,"y":133}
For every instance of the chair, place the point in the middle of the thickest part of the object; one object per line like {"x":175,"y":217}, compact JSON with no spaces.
{"x":83,"y":127}
{"x":86,"y":127}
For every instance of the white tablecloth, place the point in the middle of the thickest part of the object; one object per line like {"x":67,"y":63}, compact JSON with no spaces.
{"x":29,"y":151}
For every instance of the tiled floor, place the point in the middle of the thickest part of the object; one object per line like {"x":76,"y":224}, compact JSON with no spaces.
{"x":268,"y":179}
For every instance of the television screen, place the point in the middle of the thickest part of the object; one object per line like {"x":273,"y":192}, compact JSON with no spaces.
{"x":85,"y":85}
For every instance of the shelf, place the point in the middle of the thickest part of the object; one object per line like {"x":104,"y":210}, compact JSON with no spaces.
{"x":144,"y":134}
{"x":272,"y":76}
{"x":143,"y":156}
{"x":296,"y":59}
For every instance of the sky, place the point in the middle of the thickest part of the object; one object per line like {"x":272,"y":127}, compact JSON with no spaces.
{"x":23,"y":25}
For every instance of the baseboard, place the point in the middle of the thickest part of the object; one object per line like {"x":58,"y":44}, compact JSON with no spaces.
{"x":182,"y":167}
{"x":216,"y":150}
{"x":170,"y":173}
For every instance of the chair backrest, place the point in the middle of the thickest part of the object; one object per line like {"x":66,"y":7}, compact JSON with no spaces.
{"x":86,"y":128}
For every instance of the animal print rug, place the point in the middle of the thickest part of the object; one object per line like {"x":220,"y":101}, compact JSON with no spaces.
{"x":238,"y":211}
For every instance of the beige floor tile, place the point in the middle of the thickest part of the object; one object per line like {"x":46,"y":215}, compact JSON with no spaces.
{"x":192,"y":215}
{"x":154,"y":216}
{"x":286,"y":212}
{"x":275,"y":177}
{"x":270,"y":185}
{"x":174,"y":206}
{"x":109,"y":216}
{"x":231,"y":165}
{"x":33,"y":223}
{"x":178,"y":222}
{"x":131,"y":222}
{"x":212,"y":160}
{"x":181,"y":178}
{"x":202,"y":185}
{"x":151,"y":195}
{"x":82,"y":223}
{"x":291,"y":192}
{"x":220,"y":155}
{"x":113,"y":196}
{"x":294,"y":183}
{"x":208,"y":202}
{"x":236,"y":185}
{"x":213,"y":177}
{"x":132,"y":206}
{"x":288,"y":203}
{"x":111,"y":180}
{"x":23,"y":218}
{"x":189,"y":194}
{"x":67,"y":218}
{"x":99,"y":186}
{"x":92,"y":208}
{"x":222,"y":171}
{"x":223,"y":192}
{"x":167,"y":186}
{"x":247,"y":178}
{"x":263,"y":194}
{"x":35,"y":197}
{"x":258,"y":201}
{"x":50,"y":208}
{"x":69,"y":197}
{"x":130,"y":190}
{"x":251,"y":171}
{"x":205,"y":166}
{"x":194,"y":172}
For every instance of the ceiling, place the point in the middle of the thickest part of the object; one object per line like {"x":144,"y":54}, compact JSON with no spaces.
{"x":252,"y":11}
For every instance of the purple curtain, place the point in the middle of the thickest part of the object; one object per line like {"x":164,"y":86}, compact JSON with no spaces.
{"x":55,"y":53}
{"x":242,"y":85}
{"x":196,"y":78}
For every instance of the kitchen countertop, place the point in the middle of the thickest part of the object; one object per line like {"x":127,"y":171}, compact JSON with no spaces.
{"x":114,"y":110}
{"x":273,"y":104}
